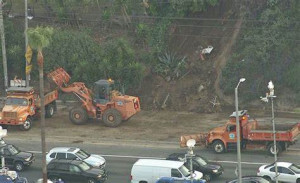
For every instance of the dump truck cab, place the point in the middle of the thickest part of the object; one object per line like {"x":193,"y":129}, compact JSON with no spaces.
{"x":23,"y":104}
{"x":19,"y":105}
{"x":225,"y":137}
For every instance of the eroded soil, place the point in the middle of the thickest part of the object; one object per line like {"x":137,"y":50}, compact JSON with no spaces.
{"x":146,"y":125}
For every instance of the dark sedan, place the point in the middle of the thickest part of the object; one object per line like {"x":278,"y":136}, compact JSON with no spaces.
{"x":75,"y":171}
{"x":14,"y":158}
{"x":209,"y":169}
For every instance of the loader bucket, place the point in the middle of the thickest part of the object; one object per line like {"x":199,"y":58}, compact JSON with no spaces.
{"x":59,"y":76}
{"x":199,"y":138}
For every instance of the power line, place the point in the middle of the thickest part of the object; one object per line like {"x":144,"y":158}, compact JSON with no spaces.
{"x":178,"y":18}
{"x":191,"y":35}
{"x":175,"y":25}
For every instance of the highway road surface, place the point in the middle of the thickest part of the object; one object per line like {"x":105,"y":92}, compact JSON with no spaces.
{"x":122,"y":155}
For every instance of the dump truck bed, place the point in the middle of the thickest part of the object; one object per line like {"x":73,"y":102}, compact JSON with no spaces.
{"x":49,"y":98}
{"x":284,"y":132}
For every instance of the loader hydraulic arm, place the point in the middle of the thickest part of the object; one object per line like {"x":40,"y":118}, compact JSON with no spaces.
{"x":61,"y":78}
{"x":82,"y":92}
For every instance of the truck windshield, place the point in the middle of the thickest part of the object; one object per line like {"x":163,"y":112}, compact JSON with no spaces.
{"x":16,"y":101}
{"x":185,"y":172}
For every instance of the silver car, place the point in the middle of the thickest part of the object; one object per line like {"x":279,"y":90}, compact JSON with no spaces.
{"x":74,"y":153}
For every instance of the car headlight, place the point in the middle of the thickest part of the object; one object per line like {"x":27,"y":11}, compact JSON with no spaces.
{"x":215,"y":171}
{"x":99,"y":176}
{"x":27,"y":159}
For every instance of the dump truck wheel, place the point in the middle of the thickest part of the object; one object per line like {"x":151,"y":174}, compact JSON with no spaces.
{"x":26,"y":125}
{"x":49,"y":111}
{"x":78,"y":116}
{"x":112,"y":118}
{"x":218,"y":146}
{"x":271,"y":150}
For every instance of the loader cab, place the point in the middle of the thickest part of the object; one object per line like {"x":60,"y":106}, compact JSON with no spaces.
{"x":103,"y":91}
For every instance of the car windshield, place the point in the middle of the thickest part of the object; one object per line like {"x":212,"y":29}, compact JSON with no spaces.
{"x":13,"y":150}
{"x":16,"y":101}
{"x":82,"y":154}
{"x":295,"y":168}
{"x":201,"y":161}
{"x":185,"y":172}
{"x":84,"y":166}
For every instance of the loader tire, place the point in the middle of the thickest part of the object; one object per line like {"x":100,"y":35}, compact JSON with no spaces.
{"x":78,"y":116}
{"x":112,"y":118}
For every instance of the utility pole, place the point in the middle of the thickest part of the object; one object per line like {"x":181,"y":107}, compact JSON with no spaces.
{"x":26,"y":41}
{"x":3,"y":46}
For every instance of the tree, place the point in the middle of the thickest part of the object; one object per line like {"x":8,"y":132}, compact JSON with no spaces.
{"x":38,"y":39}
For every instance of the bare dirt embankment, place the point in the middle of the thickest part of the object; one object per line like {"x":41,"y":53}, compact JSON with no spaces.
{"x":146,"y":126}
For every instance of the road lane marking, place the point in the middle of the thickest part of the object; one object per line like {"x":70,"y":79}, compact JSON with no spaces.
{"x":142,"y":157}
{"x":145,"y":157}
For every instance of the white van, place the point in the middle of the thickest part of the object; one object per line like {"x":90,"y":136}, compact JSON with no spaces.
{"x":150,"y":170}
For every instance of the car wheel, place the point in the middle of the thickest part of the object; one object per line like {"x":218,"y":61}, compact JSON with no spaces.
{"x":19,"y":166}
{"x":26,"y":125}
{"x":91,"y":181}
{"x":207,"y":177}
{"x":268,"y":178}
{"x":218,"y":146}
{"x":298,"y":181}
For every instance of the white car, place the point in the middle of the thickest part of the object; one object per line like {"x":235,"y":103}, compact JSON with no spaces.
{"x":287,"y":172}
{"x":75,"y":153}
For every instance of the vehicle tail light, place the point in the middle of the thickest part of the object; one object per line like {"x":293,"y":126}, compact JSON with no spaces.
{"x":130,"y":177}
{"x":258,"y":170}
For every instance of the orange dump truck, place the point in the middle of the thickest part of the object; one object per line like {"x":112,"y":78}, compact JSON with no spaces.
{"x":23,"y":104}
{"x":253,"y":135}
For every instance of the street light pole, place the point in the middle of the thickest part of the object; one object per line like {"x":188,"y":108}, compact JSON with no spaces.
{"x":274,"y":139}
{"x":266,"y":99}
{"x":3,"y":133}
{"x":238,"y":136}
{"x":3,"y":46}
{"x":190,"y":144}
{"x":271,"y":95}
